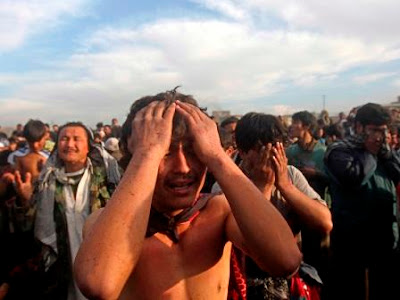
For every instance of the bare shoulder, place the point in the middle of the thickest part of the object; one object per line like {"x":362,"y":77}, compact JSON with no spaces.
{"x":90,"y":221}
{"x":217,"y":208}
{"x":218,"y":201}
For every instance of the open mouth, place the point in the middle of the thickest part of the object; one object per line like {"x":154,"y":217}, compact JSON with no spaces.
{"x":181,"y":187}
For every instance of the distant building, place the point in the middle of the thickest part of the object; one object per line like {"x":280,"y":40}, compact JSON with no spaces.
{"x":220,"y":115}
{"x":394,"y":108}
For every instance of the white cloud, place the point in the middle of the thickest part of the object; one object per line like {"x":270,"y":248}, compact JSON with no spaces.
{"x":365,"y":79}
{"x":375,"y":20}
{"x":20,"y":19}
{"x":282,"y":110}
{"x":396,"y":83}
{"x":226,"y":7}
{"x":216,"y":61}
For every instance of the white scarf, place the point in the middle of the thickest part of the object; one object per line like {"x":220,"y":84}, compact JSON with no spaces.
{"x":76,"y":211}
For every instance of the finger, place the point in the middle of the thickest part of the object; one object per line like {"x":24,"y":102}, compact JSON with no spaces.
{"x":277,"y":166}
{"x":268,"y":153}
{"x":192,"y":110}
{"x":149,"y":112}
{"x":169,"y":112}
{"x":186,"y":115}
{"x":139,"y":115}
{"x":159,"y":109}
{"x":18,"y":179}
{"x":283,"y":153}
{"x":28,"y":177}
{"x":282,"y":150}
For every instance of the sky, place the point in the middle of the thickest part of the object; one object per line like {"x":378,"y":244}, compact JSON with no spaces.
{"x":88,"y":60}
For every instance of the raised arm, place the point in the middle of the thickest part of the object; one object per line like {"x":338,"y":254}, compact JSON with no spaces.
{"x":112,"y":246}
{"x":254,"y":224}
{"x":311,"y":213}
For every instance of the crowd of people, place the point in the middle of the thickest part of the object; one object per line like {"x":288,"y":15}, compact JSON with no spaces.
{"x":173,"y":205}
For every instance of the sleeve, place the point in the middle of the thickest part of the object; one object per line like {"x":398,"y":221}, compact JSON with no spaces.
{"x":348,"y":167}
{"x":301,"y":183}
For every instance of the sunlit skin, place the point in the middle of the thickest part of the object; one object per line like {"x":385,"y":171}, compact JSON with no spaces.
{"x":33,"y":162}
{"x":117,"y":261}
{"x":73,"y":147}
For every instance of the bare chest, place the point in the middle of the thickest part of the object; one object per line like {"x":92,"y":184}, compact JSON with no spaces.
{"x":195,"y":268}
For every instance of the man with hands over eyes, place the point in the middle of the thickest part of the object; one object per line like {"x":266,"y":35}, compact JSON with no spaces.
{"x":158,"y":237}
{"x":260,"y":138}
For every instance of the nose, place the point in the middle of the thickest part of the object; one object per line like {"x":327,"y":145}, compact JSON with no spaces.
{"x":70,"y":143}
{"x":180,"y":162}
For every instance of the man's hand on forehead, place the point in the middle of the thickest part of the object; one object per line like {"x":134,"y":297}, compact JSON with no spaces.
{"x":152,"y":129}
{"x":203,"y":130}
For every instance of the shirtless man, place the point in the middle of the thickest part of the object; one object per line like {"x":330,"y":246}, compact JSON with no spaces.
{"x":171,"y":145}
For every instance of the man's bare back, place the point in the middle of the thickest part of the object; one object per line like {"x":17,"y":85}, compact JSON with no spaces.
{"x":33,"y":163}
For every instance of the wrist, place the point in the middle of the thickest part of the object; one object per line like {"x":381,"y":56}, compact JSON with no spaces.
{"x":216,"y":161}
{"x":285,"y":188}
{"x":147,"y":154}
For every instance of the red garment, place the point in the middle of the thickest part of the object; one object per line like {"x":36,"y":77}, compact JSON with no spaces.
{"x":300,"y":290}
{"x":237,"y":279}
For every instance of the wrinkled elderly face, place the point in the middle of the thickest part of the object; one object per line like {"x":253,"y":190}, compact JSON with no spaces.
{"x":73,"y":144}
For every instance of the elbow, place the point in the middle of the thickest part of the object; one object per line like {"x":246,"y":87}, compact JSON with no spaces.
{"x":100,"y":289}
{"x":327,"y":226}
{"x":95,"y":284}
{"x":288,"y":264}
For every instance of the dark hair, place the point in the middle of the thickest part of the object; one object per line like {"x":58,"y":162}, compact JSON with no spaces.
{"x":334,"y":130}
{"x":228,"y":121}
{"x":34,"y":131}
{"x":257,"y":128}
{"x":226,"y":138}
{"x":179,"y":126}
{"x":394,"y":129}
{"x":372,"y":114}
{"x":12,"y":140}
{"x":307,"y":119}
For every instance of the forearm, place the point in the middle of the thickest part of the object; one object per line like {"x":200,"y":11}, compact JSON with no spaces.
{"x":112,"y":247}
{"x":312,"y":213}
{"x":266,"y":234}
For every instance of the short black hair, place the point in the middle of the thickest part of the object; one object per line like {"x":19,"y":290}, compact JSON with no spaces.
{"x":254,"y":129}
{"x":34,"y":131}
{"x":372,"y":114}
{"x":306,"y":118}
{"x":229,"y":120}
{"x":335,"y":130}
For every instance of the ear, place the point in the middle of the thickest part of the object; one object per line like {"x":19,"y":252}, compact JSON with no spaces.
{"x":230,"y":151}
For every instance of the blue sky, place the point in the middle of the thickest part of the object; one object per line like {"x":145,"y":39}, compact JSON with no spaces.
{"x":89,"y":60}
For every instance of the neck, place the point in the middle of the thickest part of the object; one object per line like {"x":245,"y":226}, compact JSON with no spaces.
{"x":74,"y":167}
{"x":305,"y":139}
